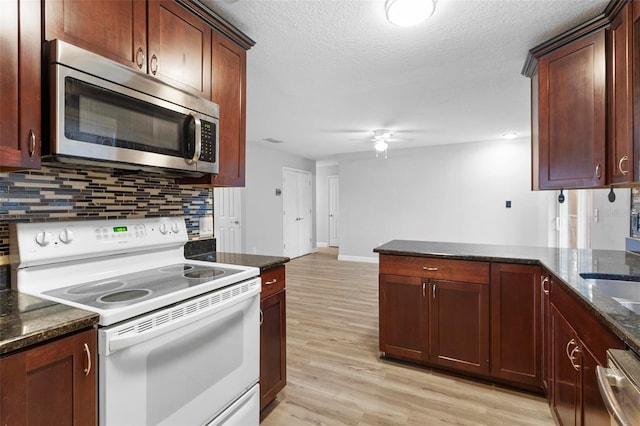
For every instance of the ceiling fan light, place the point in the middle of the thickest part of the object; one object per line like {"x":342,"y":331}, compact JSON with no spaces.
{"x":380,"y":145}
{"x":409,"y":12}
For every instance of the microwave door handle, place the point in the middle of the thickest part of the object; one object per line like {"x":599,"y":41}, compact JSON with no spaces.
{"x":605,"y":377}
{"x":198,"y":148}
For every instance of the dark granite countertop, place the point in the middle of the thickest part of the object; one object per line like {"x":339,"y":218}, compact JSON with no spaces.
{"x":259,"y":261}
{"x":27,"y":320}
{"x":565,"y":264}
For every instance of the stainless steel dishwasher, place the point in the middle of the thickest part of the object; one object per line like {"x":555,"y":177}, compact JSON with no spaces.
{"x":619,"y":385}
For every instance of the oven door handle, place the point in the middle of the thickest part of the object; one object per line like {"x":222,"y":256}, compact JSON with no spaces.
{"x":607,"y":379}
{"x":116,"y":343}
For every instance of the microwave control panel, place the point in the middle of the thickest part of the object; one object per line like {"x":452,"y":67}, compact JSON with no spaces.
{"x":208,"y":142}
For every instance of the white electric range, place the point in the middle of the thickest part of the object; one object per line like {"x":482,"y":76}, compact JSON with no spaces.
{"x":178,"y":339}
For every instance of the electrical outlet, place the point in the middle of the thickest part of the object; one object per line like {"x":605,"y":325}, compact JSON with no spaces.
{"x":206,"y":226}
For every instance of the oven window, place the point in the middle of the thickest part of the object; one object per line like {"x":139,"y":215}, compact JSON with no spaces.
{"x":100,"y":116}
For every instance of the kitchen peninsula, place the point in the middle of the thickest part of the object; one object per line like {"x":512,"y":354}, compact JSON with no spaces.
{"x":517,"y":316}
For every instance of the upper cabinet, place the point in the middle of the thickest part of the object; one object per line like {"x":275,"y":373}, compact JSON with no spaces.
{"x":582,"y":89}
{"x":620,"y":166}
{"x":158,"y":37}
{"x":179,"y":47}
{"x":119,"y":34}
{"x":571,"y":114}
{"x":20,"y":112}
{"x":179,"y":42}
{"x":228,"y":78}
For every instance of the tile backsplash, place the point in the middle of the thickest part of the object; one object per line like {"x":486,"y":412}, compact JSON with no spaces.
{"x":58,"y":194}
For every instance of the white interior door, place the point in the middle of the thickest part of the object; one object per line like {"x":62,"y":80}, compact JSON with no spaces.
{"x":304,"y":213}
{"x":227,"y":212}
{"x":334,"y":187}
{"x":296,"y":212}
{"x":289,"y":213}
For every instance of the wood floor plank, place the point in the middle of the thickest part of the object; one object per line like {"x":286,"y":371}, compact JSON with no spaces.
{"x":335,"y":375}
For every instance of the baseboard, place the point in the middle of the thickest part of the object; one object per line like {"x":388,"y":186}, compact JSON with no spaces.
{"x":363,"y":259}
{"x":322,"y":244}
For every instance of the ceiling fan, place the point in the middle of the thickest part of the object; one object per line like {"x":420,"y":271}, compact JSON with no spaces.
{"x":381,"y":139}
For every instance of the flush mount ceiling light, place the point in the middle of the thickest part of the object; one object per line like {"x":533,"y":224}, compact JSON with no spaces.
{"x":409,"y":12}
{"x":510,"y":135}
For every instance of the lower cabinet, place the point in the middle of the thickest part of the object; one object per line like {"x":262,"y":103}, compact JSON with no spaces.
{"x":403,"y":317}
{"x":438,"y":315}
{"x":54,"y":383}
{"x":516,"y":335}
{"x":578,"y":344}
{"x":510,"y":323}
{"x":273,"y":355}
{"x":459,"y":325}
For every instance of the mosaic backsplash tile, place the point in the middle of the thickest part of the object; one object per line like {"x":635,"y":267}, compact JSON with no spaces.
{"x":66,"y":194}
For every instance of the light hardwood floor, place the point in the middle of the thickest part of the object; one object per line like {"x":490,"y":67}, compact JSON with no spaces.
{"x":335,"y":376}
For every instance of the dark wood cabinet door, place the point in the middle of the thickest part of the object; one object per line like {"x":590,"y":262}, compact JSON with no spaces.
{"x":594,"y":412}
{"x":273,"y":363}
{"x":459,"y":326}
{"x":566,"y":383}
{"x":545,"y":317}
{"x":115,"y":29}
{"x":403,"y":317}
{"x":571,"y":115}
{"x":20,"y":111}
{"x":620,"y":168}
{"x":515,"y":324}
{"x":179,"y":47}
{"x":54,"y":383}
{"x":229,"y":92}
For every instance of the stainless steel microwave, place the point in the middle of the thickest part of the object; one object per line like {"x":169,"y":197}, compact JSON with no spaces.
{"x":106,"y":114}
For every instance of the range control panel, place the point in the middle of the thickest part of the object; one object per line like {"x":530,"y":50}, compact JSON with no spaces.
{"x":50,"y":242}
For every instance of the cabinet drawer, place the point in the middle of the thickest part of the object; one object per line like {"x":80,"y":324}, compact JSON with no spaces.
{"x":429,"y":267}
{"x":272,"y":281}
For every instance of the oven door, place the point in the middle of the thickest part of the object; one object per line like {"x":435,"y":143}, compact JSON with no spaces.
{"x":619,"y":386}
{"x":183,"y":365}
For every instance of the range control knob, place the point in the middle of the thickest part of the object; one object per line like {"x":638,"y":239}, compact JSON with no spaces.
{"x":66,"y":236}
{"x":174,"y":228}
{"x":163,"y":228}
{"x":43,"y":238}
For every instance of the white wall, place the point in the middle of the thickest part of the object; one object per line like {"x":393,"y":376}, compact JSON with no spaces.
{"x":613,"y":219}
{"x":262,"y":208}
{"x":453,"y":193}
{"x":322,"y":201}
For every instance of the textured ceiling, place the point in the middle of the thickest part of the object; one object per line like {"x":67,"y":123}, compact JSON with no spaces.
{"x":325,"y":73}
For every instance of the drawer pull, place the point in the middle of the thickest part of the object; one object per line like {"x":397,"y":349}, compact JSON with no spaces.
{"x":271,"y":282}
{"x":545,"y":290}
{"x":622,"y":160}
{"x":32,"y":143}
{"x":88,"y":353}
{"x":429,"y":268}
